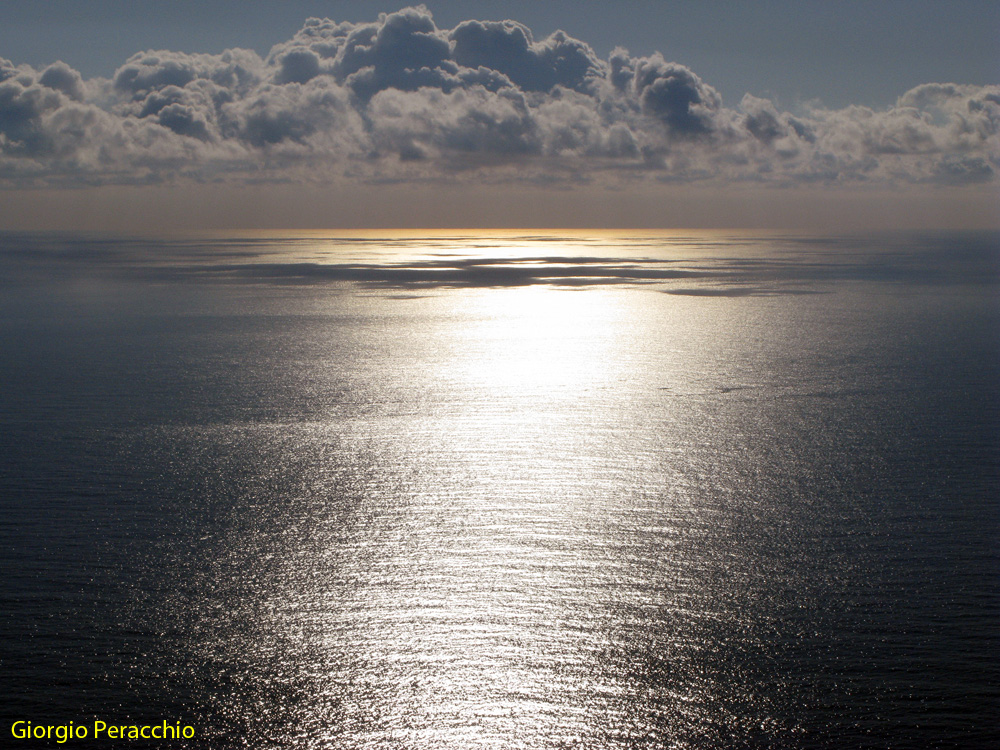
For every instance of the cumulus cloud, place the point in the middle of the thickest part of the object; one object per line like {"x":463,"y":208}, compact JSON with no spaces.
{"x":510,"y":49}
{"x":399,"y":98}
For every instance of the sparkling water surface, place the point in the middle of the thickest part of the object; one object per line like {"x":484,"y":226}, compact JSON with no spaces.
{"x":503,"y":489}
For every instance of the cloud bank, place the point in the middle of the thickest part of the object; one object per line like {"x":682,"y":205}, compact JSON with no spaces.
{"x":399,"y":100}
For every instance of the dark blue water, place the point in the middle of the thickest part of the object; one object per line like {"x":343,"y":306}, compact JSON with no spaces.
{"x":503,"y":490}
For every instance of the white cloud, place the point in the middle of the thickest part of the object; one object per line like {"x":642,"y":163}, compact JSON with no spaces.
{"x":401,"y":99}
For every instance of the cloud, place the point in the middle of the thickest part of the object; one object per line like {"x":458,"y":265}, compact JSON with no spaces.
{"x":510,"y":49}
{"x":399,"y":99}
{"x":675,"y":96}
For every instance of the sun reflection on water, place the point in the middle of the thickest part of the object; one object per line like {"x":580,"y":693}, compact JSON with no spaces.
{"x":538,"y":341}
{"x":496,"y":532}
{"x":513,"y":491}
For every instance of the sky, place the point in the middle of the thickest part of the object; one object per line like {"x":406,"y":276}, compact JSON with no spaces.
{"x":140,"y":114}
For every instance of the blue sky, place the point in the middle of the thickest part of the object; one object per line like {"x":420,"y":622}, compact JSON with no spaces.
{"x":770,"y":113}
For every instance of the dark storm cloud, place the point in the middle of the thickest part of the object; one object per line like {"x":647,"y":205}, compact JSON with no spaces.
{"x":400,"y":99}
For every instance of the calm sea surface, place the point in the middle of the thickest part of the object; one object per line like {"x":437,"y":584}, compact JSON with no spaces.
{"x":503,"y":490}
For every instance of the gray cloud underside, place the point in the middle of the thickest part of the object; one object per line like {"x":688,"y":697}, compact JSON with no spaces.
{"x":400,"y":99}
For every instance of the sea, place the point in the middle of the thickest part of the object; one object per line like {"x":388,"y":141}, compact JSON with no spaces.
{"x":501,"y":489}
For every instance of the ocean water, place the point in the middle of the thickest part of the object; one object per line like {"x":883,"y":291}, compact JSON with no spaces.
{"x":503,"y":489}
